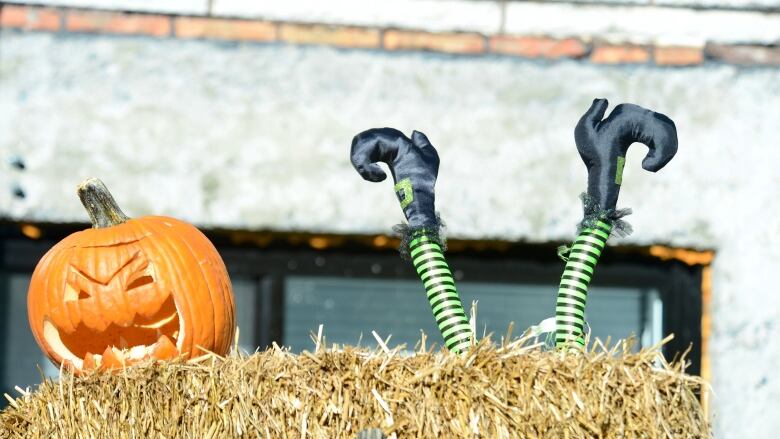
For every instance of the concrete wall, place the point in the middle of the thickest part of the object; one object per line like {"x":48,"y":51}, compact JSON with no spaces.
{"x":257,"y":136}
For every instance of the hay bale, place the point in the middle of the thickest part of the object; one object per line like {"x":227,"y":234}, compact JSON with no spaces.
{"x":509,"y":390}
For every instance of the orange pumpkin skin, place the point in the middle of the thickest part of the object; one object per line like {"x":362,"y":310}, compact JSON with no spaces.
{"x":139,"y":286}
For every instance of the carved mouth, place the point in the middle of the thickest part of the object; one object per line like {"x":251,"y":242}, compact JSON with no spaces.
{"x":155,"y":337}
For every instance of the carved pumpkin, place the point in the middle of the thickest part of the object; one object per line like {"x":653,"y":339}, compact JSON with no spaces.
{"x":128,"y":290}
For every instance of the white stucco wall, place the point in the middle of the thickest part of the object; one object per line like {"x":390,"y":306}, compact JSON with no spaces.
{"x":257,"y":136}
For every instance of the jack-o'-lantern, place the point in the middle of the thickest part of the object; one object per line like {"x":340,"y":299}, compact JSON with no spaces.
{"x":127,"y":290}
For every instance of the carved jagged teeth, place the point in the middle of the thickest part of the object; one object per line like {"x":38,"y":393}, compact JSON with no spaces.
{"x":160,"y":323}
{"x":114,"y":358}
{"x":164,"y":349}
{"x":90,"y":361}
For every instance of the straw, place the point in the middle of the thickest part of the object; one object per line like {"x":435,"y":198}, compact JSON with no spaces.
{"x":512,"y":389}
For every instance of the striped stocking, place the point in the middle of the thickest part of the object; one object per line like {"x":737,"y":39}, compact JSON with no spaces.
{"x":573,"y":289}
{"x":431,"y":266}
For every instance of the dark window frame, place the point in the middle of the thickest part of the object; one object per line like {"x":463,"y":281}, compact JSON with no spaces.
{"x":679,"y":284}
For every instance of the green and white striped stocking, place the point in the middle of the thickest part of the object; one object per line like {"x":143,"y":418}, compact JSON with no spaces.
{"x":573,"y":289}
{"x":431,"y":266}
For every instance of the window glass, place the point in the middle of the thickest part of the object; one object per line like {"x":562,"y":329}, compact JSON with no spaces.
{"x":245,"y":297}
{"x":349,"y":308}
{"x":21,"y":355}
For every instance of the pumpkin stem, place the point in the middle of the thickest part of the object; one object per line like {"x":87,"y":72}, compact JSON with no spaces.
{"x":100,"y":204}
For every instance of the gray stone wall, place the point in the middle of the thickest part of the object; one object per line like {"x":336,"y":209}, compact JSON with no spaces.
{"x":257,"y":137}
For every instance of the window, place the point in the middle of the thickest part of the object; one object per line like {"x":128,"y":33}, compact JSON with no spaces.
{"x":285,"y":289}
{"x":353,"y":289}
{"x":351,"y":308}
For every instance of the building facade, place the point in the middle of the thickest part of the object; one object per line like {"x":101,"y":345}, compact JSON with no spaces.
{"x":238,"y":118}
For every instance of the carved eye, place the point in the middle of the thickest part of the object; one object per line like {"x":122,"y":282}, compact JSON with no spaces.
{"x":140,"y":281}
{"x":141,"y":273}
{"x":72,"y":294}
